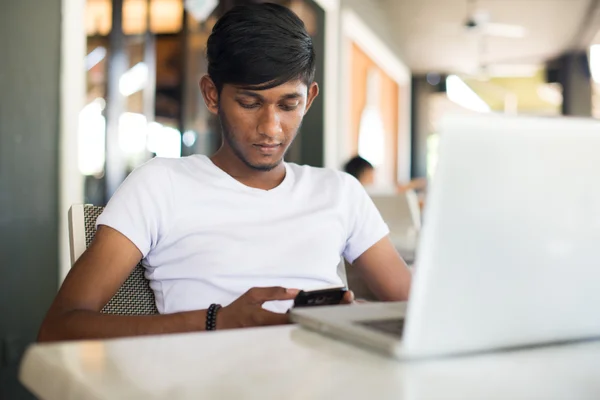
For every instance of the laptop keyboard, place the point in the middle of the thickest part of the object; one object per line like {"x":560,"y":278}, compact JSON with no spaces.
{"x":390,"y":326}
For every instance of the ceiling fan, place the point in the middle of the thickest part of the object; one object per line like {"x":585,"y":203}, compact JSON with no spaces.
{"x":479,"y":24}
{"x":480,"y":21}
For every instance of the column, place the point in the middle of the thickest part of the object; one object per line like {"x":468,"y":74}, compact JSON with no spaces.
{"x":421,"y":89}
{"x":572,"y":71}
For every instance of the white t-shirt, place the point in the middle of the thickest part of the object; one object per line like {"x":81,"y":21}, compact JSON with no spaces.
{"x":207,"y":238}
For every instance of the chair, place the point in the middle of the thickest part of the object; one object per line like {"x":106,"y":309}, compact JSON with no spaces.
{"x":402,"y":214}
{"x":134,"y":297}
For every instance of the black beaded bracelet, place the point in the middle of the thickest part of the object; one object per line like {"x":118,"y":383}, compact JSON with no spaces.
{"x":211,"y":317}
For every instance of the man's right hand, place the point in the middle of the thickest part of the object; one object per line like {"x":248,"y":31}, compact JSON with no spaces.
{"x":100,"y":272}
{"x":247,"y":310}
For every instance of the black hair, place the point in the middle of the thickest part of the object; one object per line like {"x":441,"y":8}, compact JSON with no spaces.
{"x":357,"y":166}
{"x":260,"y":46}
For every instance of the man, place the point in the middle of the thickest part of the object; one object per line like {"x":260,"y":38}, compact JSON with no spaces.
{"x":241,"y":229}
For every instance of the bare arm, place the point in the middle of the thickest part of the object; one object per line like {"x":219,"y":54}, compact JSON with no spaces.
{"x":93,"y":280}
{"x":415,"y":184}
{"x":384,"y":271}
{"x":102,"y":269}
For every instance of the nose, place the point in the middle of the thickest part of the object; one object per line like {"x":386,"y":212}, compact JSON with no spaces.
{"x":269,"y":122}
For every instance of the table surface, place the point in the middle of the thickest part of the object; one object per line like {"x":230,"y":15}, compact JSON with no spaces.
{"x":292,"y":363}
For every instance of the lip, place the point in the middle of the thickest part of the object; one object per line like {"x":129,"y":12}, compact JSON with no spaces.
{"x":267,"y":148}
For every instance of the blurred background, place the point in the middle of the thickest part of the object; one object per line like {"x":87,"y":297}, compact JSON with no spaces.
{"x":91,"y":89}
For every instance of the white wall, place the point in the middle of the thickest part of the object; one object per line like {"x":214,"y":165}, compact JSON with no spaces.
{"x":72,"y":97}
{"x":332,"y":89}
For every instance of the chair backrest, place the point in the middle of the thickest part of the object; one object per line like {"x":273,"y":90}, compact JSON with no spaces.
{"x":134,"y":297}
{"x":400,"y":210}
{"x":402,"y":214}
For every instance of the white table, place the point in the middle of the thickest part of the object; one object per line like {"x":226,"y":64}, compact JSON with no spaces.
{"x":290,"y":363}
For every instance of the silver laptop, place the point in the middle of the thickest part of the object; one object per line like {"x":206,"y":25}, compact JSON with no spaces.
{"x":508,"y":255}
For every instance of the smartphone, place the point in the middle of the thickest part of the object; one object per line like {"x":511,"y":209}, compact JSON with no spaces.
{"x":321,"y":297}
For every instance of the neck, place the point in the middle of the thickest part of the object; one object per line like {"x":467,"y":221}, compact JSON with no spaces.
{"x":226,"y":160}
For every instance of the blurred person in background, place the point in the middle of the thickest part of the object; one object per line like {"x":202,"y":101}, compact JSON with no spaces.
{"x":361,"y":169}
{"x":237,"y":234}
{"x":364,"y":172}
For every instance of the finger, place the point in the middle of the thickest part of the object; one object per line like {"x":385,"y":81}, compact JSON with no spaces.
{"x":268,"y":318}
{"x":259,"y":295}
{"x":348,"y":297}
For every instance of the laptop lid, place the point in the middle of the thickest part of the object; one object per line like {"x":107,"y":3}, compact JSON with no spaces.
{"x":509,"y":249}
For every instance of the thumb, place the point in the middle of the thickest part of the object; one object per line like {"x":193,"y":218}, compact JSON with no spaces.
{"x":348,"y":297}
{"x":260,"y":295}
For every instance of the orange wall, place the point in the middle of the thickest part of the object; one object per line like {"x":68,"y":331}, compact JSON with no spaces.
{"x":360,"y":66}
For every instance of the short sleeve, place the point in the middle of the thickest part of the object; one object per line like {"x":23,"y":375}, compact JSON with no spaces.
{"x":140,"y":207}
{"x":365,"y":224}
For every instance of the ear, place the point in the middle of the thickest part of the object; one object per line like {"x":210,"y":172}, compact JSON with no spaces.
{"x":210,"y":94}
{"x":313,"y":92}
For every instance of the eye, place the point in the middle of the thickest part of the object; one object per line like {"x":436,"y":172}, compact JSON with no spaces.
{"x":288,"y":107}
{"x":248,"y":105}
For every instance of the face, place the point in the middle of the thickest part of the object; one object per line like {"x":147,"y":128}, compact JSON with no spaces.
{"x":259,"y":125}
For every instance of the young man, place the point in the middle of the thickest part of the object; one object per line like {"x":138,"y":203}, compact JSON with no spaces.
{"x":242,"y":229}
